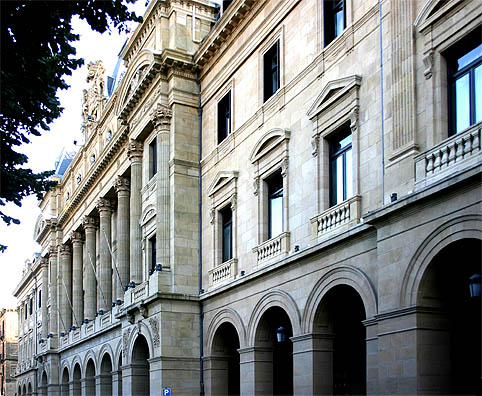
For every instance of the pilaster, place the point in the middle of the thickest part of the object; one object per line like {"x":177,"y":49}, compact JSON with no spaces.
{"x":104,"y":207}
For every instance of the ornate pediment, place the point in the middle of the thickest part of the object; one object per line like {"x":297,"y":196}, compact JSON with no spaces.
{"x":269,"y":141}
{"x":432,"y":11}
{"x":332,"y":92}
{"x":222,"y":179}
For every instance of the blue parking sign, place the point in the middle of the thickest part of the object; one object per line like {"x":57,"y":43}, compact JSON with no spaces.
{"x":166,"y":391}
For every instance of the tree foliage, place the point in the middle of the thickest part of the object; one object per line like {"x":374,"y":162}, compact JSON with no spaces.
{"x":37,"y":52}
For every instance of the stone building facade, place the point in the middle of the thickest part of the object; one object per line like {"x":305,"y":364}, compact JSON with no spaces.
{"x":281,"y":199}
{"x":8,"y":350}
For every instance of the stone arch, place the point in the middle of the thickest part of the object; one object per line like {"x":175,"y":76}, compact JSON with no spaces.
{"x":117,"y":355}
{"x":342,"y":275}
{"x":64,"y":380}
{"x":270,"y":140}
{"x":29,"y":388}
{"x":275,"y":298}
{"x":24,"y":389}
{"x":44,"y":380}
{"x":76,"y":360}
{"x":147,"y":214}
{"x":226,"y":315}
{"x":106,"y":348}
{"x":145,"y":331}
{"x":89,"y":356}
{"x":65,"y":365}
{"x":461,"y":227}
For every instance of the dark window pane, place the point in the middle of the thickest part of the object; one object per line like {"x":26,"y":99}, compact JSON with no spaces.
{"x":224,"y":117}
{"x":153,"y":252}
{"x":341,"y":168}
{"x":227,"y":226}
{"x":271,"y":71}
{"x":153,"y":158}
{"x":275,"y":205}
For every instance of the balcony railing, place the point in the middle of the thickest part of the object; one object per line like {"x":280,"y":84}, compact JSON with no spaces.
{"x":345,"y":213}
{"x":274,"y":247}
{"x":448,"y":157}
{"x":223,"y":272}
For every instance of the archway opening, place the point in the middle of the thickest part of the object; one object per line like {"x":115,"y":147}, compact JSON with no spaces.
{"x":90,"y":378}
{"x":224,"y":373}
{"x":119,"y":376}
{"x":19,"y":392}
{"x":24,"y":390}
{"x":273,"y":337}
{"x":339,"y":322}
{"x":449,"y":349}
{"x":76,"y":381}
{"x":140,"y":367}
{"x":106,"y":376}
{"x":43,"y":383}
{"x":29,"y":389}
{"x":64,"y":386}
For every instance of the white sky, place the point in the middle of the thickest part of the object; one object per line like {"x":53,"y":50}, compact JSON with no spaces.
{"x":44,"y":150}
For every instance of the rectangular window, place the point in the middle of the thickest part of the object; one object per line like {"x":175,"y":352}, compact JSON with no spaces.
{"x":334,"y":19}
{"x":26,"y":311}
{"x":224,"y":117}
{"x":271,"y":72}
{"x":227,"y":230}
{"x":40,"y":298}
{"x":152,"y":158}
{"x":30,"y":310}
{"x":275,"y":205}
{"x":341,"y":169}
{"x":152,"y":252}
{"x":465,"y":82}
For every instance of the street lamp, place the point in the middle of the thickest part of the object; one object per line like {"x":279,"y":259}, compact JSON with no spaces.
{"x":474,"y":285}
{"x":281,"y":334}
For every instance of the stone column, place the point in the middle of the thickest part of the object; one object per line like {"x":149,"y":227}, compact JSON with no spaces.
{"x":134,"y":153}
{"x":44,"y":298}
{"x":313,"y":364}
{"x":161,"y":119}
{"x":105,"y":277}
{"x":256,"y":371}
{"x":53,"y":325}
{"x":90,"y":284}
{"x":121,"y":186}
{"x":66,"y":287}
{"x":117,"y":382}
{"x":77,"y":277}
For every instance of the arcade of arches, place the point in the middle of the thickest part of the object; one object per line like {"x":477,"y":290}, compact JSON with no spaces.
{"x":281,"y":352}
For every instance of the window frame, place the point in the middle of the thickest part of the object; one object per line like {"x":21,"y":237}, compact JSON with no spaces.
{"x":337,"y":137}
{"x":152,"y":242}
{"x":152,"y":158}
{"x":329,"y":19}
{"x":458,"y":50}
{"x":226,"y":216}
{"x":273,"y":70}
{"x":224,"y":116}
{"x":272,"y":181}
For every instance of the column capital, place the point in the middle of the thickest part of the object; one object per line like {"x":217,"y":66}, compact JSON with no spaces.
{"x":52,"y":251}
{"x":161,"y":117}
{"x":89,"y":223}
{"x":76,"y":237}
{"x":104,"y":206}
{"x":65,"y":250}
{"x":135,"y":150}
{"x":121,"y":184}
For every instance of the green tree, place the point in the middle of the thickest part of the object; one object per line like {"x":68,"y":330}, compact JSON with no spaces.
{"x":37,"y":52}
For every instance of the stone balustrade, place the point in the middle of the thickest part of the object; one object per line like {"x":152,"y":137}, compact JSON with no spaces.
{"x":344,"y":213}
{"x":450,"y":156}
{"x":223,"y":272}
{"x":272,"y":248}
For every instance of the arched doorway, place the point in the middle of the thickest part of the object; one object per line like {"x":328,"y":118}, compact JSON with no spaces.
{"x":448,"y":348}
{"x":29,"y":388}
{"x":276,"y":365}
{"x":89,"y":381}
{"x":224,"y":361}
{"x":140,"y":367}
{"x":342,"y":363}
{"x":64,"y":386}
{"x":76,"y":387}
{"x":106,"y":376}
{"x":43,"y":383}
{"x":24,"y":390}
